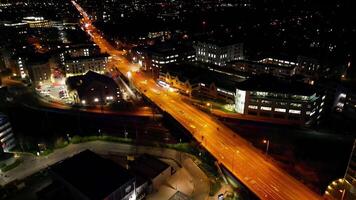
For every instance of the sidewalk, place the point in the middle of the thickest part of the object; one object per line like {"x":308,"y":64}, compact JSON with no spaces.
{"x":189,"y":180}
{"x":32,"y":164}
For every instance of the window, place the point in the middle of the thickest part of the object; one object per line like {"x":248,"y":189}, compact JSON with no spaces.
{"x":280,"y":109}
{"x":281,"y":103}
{"x":298,"y":105}
{"x":261,"y":93}
{"x":253,"y":107}
{"x":266,"y":108}
{"x":295,"y":111}
{"x":266,"y":102}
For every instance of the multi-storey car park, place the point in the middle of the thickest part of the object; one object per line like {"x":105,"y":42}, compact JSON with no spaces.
{"x":7,"y":139}
{"x":267,"y":96}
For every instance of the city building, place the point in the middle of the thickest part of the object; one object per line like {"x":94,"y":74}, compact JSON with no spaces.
{"x":302,"y":65}
{"x":87,"y":176}
{"x":252,"y":68}
{"x":345,"y":99}
{"x":81,"y":65}
{"x":218,"y":52}
{"x":37,"y":22}
{"x":82,"y":50}
{"x":92,"y":88}
{"x":270,"y":97}
{"x":200,"y":81}
{"x":21,"y":70}
{"x":157,"y":56}
{"x":7,"y":138}
{"x":39,"y":69}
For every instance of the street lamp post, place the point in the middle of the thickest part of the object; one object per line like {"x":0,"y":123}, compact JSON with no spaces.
{"x":267,"y":145}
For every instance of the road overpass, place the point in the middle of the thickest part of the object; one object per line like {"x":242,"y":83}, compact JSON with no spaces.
{"x":249,"y":165}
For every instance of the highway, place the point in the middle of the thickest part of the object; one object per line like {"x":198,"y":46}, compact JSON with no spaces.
{"x":249,"y":165}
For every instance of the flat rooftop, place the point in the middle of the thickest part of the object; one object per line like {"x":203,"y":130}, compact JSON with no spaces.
{"x":165,"y":48}
{"x":267,"y":83}
{"x":148,"y":166}
{"x":202,"y":73}
{"x":92,"y":175}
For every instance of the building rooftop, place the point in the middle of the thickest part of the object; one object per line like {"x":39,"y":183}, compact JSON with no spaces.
{"x":250,"y":62}
{"x":179,"y":196}
{"x":148,"y":166}
{"x":267,"y":83}
{"x":218,"y":39}
{"x":82,"y":82}
{"x":92,"y":175}
{"x":166,"y":48}
{"x":202,"y":73}
{"x":96,"y":56}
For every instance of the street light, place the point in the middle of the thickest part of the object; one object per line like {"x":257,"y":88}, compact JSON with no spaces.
{"x":267,"y":145}
{"x":210,"y":105}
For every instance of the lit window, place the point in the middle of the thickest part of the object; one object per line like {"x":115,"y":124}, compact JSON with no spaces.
{"x":280,"y":109}
{"x":295,"y":111}
{"x":296,"y":105}
{"x":266,"y":108}
{"x":340,"y":105}
{"x":252,"y":107}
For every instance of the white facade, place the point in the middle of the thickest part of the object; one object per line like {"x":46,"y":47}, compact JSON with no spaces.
{"x":299,"y":108}
{"x":218,"y":55}
{"x":80,"y":66}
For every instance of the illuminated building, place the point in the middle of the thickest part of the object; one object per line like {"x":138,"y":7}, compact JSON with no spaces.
{"x":37,"y":22}
{"x":92,"y":88}
{"x":81,"y":65}
{"x":200,"y":81}
{"x":258,"y":68}
{"x":302,"y":65}
{"x":76,"y":51}
{"x":218,"y":53}
{"x":21,"y":68}
{"x":157,"y":56}
{"x":7,"y":138}
{"x":269,"y":97}
{"x":39,"y":70}
{"x":345,"y":99}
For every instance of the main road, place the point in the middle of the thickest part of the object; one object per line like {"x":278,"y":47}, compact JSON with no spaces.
{"x":250,"y":166}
